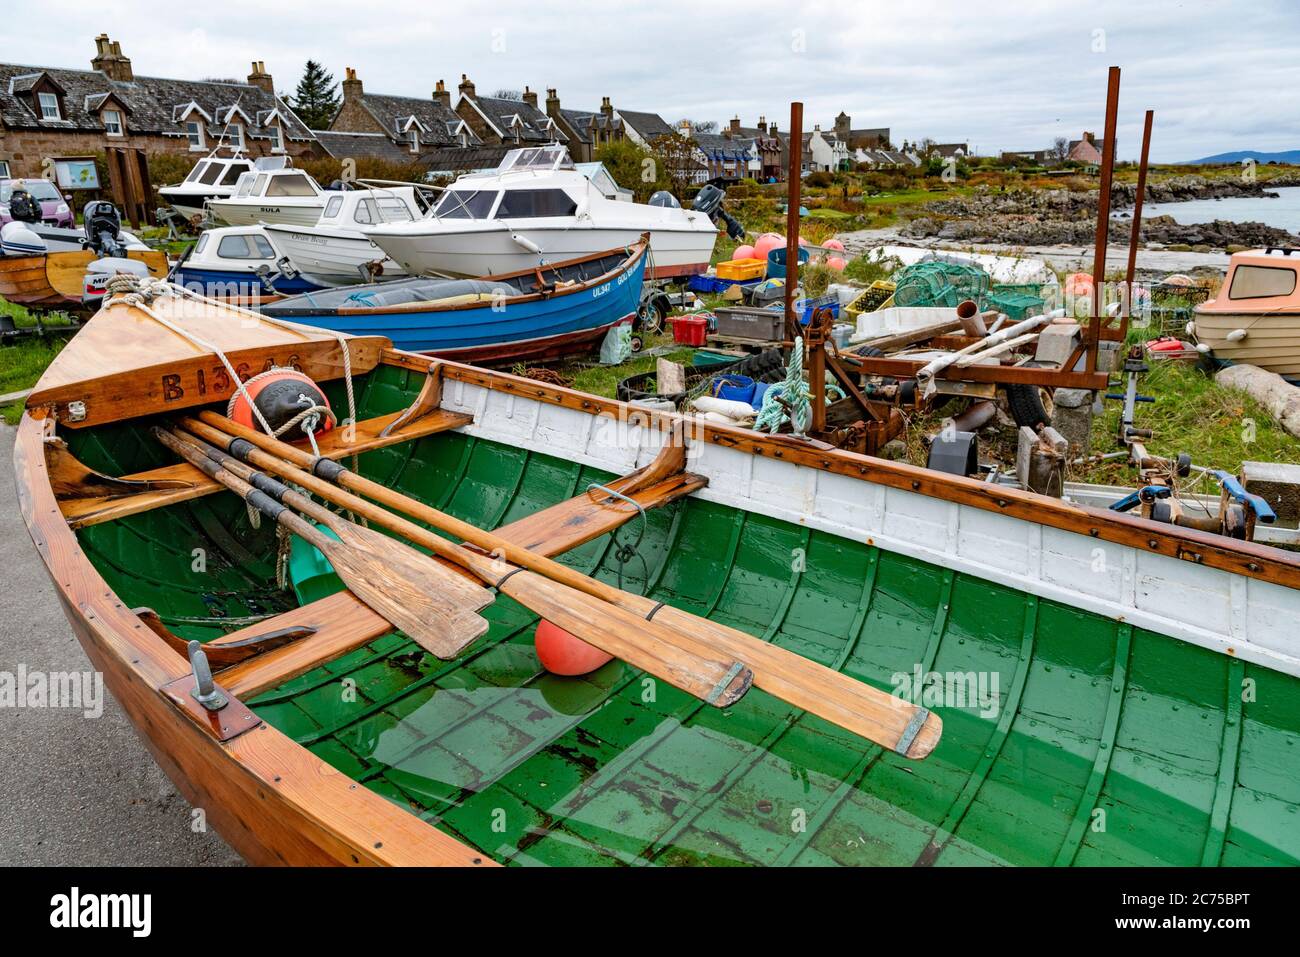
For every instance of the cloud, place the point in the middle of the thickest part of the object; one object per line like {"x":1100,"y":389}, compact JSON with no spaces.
{"x":1011,"y":76}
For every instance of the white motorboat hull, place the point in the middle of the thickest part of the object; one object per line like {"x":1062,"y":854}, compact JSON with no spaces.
{"x":487,"y":248}
{"x":246,"y":213}
{"x":331,"y":256}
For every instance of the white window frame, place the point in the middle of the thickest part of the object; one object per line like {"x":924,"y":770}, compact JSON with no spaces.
{"x":277,"y":137}
{"x":194,"y":128}
{"x":235,"y":142}
{"x":4,"y":169}
{"x":415,"y":140}
{"x":121,"y":123}
{"x":50,"y":102}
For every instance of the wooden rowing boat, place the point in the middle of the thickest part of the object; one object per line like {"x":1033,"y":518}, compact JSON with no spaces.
{"x":55,"y":280}
{"x":546,"y":312}
{"x":1140,"y":701}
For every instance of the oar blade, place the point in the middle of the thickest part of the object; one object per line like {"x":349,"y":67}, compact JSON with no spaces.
{"x":642,"y":644}
{"x":876,"y":715}
{"x":421,"y":597}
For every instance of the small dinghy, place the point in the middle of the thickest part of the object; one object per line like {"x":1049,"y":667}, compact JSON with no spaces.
{"x":545,"y":312}
{"x":38,"y":277}
{"x":917,"y":668}
{"x":239,"y":264}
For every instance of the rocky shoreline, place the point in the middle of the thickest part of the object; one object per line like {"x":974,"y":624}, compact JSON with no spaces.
{"x":1061,"y":216}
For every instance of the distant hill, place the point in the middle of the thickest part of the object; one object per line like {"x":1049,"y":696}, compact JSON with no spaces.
{"x":1287,"y":156}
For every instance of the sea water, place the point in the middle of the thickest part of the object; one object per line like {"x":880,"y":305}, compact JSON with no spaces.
{"x":1282,"y":212}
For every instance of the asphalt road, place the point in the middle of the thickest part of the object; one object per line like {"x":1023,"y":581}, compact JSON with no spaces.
{"x":74,"y":790}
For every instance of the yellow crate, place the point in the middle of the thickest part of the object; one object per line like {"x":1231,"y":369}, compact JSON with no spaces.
{"x":879,"y":295}
{"x":742,"y":270}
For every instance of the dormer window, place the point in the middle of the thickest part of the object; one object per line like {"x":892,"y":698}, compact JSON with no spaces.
{"x":49,"y":103}
{"x":113,"y":123}
{"x":234,"y":136}
{"x":277,"y":138}
{"x":194,"y":133}
{"x":415,"y":141}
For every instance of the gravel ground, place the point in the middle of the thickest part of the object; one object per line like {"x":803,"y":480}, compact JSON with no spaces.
{"x":74,"y":790}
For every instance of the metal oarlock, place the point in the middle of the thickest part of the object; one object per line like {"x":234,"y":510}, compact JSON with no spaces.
{"x":205,"y":691}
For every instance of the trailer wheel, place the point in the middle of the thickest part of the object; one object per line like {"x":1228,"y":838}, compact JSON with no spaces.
{"x":651,"y":316}
{"x":1030,"y":405}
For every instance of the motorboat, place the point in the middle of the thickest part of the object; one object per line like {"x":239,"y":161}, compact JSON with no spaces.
{"x":538,"y":208}
{"x":335,"y":251}
{"x":1255,"y":318}
{"x":284,"y":195}
{"x":240,"y":262}
{"x":560,"y":309}
{"x":213,"y":177}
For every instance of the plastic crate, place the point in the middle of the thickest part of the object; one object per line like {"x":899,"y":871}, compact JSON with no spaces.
{"x":742,"y":270}
{"x":748,"y":322}
{"x":806,"y":307}
{"x":690,"y":330}
{"x":876,"y":296}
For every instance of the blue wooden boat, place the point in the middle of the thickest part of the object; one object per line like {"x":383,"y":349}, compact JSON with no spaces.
{"x":229,"y":262}
{"x":541,"y":313}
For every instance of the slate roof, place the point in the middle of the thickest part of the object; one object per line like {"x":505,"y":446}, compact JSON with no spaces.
{"x":717,"y":147}
{"x":364,"y":145}
{"x":647,"y":125}
{"x":464,"y":159}
{"x":579,"y":120}
{"x":152,"y":103}
{"x":393,"y":113}
{"x":532,"y":125}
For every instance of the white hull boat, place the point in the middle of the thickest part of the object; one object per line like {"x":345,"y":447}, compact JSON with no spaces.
{"x":335,"y":252}
{"x":537,"y":208}
{"x":287,"y":196}
{"x":212,"y":178}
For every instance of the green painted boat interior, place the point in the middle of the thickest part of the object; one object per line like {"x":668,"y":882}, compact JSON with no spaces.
{"x":1104,"y":744}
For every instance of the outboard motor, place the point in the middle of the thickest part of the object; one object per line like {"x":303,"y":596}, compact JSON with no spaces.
{"x":709,"y":201}
{"x":665,"y":199}
{"x":103,"y":225}
{"x":99,"y":272}
{"x":23,"y":207}
{"x":19,"y":239}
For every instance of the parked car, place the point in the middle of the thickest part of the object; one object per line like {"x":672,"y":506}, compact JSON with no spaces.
{"x":54,"y":205}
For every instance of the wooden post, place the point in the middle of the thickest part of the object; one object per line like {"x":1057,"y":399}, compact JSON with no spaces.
{"x":793,"y":182}
{"x":1103,"y":218}
{"x":1137,"y":225}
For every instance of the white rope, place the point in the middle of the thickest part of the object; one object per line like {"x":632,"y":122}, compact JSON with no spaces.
{"x":138,"y":291}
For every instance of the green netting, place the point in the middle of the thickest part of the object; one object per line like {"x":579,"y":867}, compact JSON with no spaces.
{"x":939,"y":284}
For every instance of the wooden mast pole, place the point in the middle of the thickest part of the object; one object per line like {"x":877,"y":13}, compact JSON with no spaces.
{"x":1137,"y":224}
{"x":793,"y":183}
{"x":1103,"y":218}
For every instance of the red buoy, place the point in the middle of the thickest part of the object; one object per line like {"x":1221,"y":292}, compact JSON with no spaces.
{"x":564,"y":654}
{"x":280,"y":394}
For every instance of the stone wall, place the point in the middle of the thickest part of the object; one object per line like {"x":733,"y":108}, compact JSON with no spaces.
{"x":355,"y":118}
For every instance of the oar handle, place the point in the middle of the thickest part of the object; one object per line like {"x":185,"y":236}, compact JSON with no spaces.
{"x":265,"y":501}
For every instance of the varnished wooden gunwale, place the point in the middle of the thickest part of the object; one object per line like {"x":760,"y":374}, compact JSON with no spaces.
{"x":1248,"y":559}
{"x":272,"y":800}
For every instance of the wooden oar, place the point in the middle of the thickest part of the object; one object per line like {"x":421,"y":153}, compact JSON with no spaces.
{"x":423,"y":598}
{"x":880,"y":717}
{"x":622,"y":634}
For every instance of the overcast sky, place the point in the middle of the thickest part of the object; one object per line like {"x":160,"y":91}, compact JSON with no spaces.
{"x":1220,"y":76}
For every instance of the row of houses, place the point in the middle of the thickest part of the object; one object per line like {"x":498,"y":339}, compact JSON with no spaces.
{"x":65,"y":117}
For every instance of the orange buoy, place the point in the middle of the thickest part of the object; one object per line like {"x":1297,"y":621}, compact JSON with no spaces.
{"x":564,"y":654}
{"x":280,"y":394}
